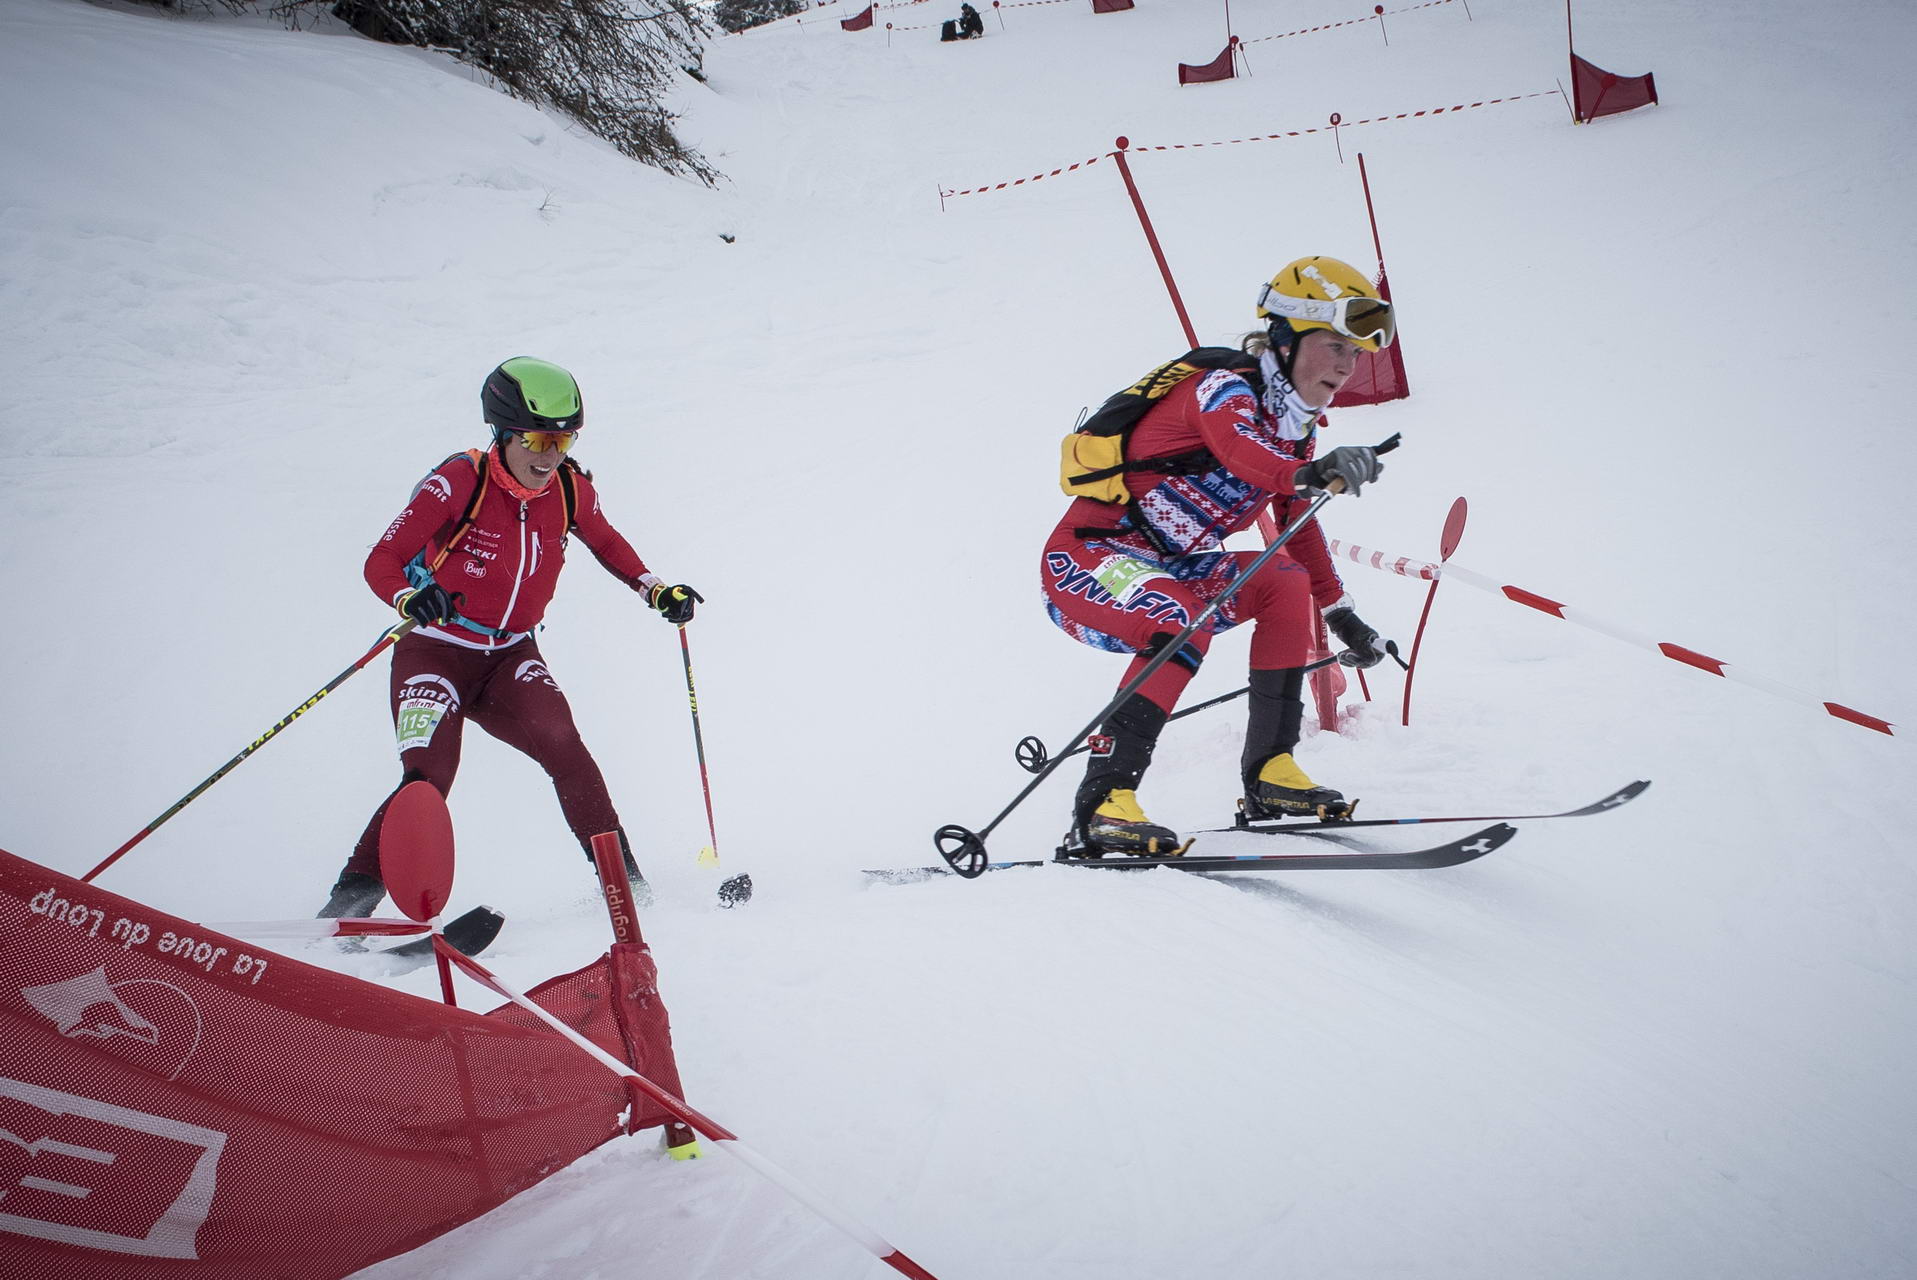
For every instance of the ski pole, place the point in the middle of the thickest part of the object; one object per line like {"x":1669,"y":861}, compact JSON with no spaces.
{"x":385,"y":640}
{"x":1033,"y":756}
{"x":735,"y":889}
{"x":964,"y":850}
{"x":1031,"y":753}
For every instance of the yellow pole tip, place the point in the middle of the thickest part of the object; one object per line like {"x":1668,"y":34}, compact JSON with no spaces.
{"x":687,"y":1151}
{"x":708,"y":857}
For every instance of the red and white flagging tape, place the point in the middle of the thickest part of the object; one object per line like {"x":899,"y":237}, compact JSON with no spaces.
{"x":1337,"y":122}
{"x":1348,"y":22}
{"x":1544,"y":604}
{"x":703,"y":1125}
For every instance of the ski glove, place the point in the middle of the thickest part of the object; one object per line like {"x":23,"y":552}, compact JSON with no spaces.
{"x":1355,"y":464}
{"x":675,"y":604}
{"x":1362,"y":648}
{"x":428,"y":605}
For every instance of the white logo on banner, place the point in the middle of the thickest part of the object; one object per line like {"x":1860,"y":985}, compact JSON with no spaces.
{"x":77,"y":1147}
{"x":90,"y":1007}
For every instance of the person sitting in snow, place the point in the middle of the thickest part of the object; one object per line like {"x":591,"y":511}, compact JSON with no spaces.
{"x":1231,"y":441}
{"x":970,"y":24}
{"x":493,"y":526}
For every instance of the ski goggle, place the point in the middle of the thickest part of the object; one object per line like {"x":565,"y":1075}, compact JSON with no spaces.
{"x":540,"y":441}
{"x":1360,"y":318}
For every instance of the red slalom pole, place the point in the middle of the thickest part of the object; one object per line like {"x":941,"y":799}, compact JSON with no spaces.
{"x":389,"y":638}
{"x":1447,"y":543}
{"x":1151,"y":237}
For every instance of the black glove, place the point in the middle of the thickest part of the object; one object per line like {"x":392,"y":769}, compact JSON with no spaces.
{"x":428,"y":605}
{"x":1355,"y":634}
{"x":1356,"y":465}
{"x":675,"y":604}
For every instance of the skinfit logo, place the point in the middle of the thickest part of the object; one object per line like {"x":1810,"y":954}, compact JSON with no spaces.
{"x":533,"y":670}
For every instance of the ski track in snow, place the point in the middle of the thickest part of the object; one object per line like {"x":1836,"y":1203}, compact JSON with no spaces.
{"x":1664,"y":1042}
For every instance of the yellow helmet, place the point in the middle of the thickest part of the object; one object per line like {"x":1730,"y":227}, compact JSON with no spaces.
{"x":1324,"y":293}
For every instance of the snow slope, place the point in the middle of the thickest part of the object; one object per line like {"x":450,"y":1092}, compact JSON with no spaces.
{"x":249,"y":282}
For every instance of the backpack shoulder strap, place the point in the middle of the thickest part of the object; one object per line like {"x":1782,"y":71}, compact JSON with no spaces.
{"x":569,"y":474}
{"x":477,"y":457}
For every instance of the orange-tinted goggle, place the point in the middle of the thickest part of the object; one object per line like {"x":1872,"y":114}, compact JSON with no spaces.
{"x":1365,"y":319}
{"x":540,"y":441}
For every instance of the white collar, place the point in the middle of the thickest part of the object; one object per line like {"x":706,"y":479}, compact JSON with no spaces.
{"x":1294,"y":417}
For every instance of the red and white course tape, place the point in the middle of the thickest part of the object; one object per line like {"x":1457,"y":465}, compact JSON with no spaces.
{"x":704,"y":1126}
{"x":1337,"y":122}
{"x":1348,"y":22}
{"x":1544,"y":604}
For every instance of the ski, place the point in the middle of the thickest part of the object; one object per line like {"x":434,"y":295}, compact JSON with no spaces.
{"x":1622,"y":796}
{"x":470,"y":933}
{"x":1462,"y":850}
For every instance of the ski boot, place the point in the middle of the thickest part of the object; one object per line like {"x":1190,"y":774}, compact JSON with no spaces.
{"x":1105,"y":814}
{"x":1120,"y":826}
{"x":355,"y":895}
{"x":636,"y":882}
{"x":1282,"y":790}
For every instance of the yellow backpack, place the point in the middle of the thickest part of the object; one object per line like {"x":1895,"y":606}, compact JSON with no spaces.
{"x":1092,"y":461}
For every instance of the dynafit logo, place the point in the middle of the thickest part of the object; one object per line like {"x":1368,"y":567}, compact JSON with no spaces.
{"x":86,"y":1173}
{"x":437,"y":486}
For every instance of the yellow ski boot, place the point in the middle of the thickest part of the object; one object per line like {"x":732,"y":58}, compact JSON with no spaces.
{"x":1283,"y":790}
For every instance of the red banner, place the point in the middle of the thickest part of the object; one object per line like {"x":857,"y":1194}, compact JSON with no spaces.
{"x":1219,"y":68}
{"x":175,"y":1102}
{"x":860,"y":20}
{"x":1596,"y":92}
{"x":1380,"y":374}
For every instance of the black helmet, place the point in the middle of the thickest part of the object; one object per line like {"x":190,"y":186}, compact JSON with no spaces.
{"x":525,"y":394}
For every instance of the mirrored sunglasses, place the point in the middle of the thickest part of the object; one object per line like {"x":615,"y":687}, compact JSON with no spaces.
{"x":540,"y":441}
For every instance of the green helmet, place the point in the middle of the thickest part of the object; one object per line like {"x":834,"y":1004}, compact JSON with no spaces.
{"x":525,"y":394}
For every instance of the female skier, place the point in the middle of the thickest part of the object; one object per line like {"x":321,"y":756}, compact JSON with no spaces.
{"x":473,"y":561}
{"x":1200,"y":465}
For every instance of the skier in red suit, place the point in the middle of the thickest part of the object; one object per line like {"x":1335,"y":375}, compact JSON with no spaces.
{"x":1128,"y":578}
{"x":476,"y":588}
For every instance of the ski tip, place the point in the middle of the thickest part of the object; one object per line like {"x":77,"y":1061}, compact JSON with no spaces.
{"x":708,"y":857}
{"x":736,"y":891}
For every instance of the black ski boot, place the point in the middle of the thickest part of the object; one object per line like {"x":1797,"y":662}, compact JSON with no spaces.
{"x":355,"y":895}
{"x":1275,"y":787}
{"x":1106,"y":818}
{"x":641,"y":891}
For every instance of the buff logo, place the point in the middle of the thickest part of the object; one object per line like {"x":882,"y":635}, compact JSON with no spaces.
{"x":474,"y":568}
{"x":92,"y":1175}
